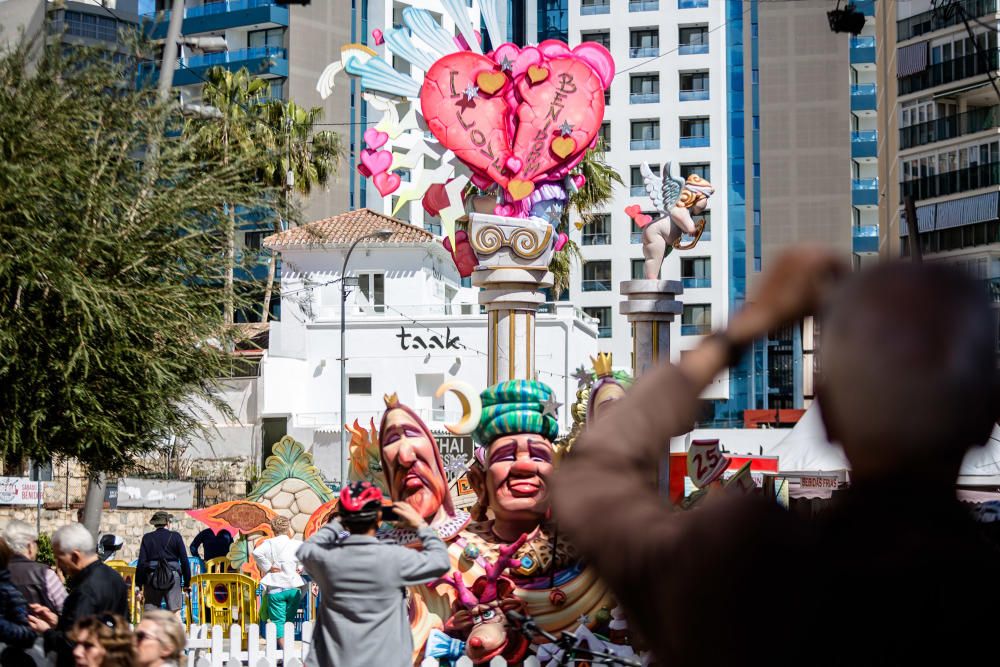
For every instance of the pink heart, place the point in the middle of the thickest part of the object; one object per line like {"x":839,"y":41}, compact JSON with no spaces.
{"x":560,"y":241}
{"x":633,"y":210}
{"x":505,"y":210}
{"x":377,"y":36}
{"x":375,"y":139}
{"x":572,"y":95}
{"x":376,"y":162}
{"x":520,"y":59}
{"x":579,"y":180}
{"x":514,"y":164}
{"x":475,"y":129}
{"x":386,"y":183}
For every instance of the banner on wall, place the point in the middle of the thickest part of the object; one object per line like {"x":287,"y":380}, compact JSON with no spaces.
{"x":456,"y":454}
{"x":160,"y":493}
{"x":19,"y":491}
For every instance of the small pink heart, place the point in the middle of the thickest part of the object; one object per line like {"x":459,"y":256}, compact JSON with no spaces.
{"x":376,"y":161}
{"x":560,"y":241}
{"x":505,"y":210}
{"x":514,"y":164}
{"x":378,"y":37}
{"x":633,"y":210}
{"x":386,"y":183}
{"x":579,"y":180}
{"x":375,"y":139}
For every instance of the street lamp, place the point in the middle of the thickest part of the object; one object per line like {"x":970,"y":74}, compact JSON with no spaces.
{"x":382,"y":234}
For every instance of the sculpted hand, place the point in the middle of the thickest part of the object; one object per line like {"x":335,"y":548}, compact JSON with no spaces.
{"x":409,"y":516}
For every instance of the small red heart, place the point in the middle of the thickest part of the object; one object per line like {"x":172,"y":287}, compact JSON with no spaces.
{"x":642,"y":219}
{"x":435,"y":199}
{"x":633,"y":210}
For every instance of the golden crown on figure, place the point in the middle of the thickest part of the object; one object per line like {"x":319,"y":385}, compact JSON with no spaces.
{"x":602,"y":365}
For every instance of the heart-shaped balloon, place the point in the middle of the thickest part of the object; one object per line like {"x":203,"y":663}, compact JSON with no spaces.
{"x":435,"y":199}
{"x":386,"y":182}
{"x":558,"y":118}
{"x":473,"y":126}
{"x":375,"y":139}
{"x":376,"y":162}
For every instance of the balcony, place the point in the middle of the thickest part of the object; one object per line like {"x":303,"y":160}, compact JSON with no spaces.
{"x":863,"y":50}
{"x":695,"y":142}
{"x":636,"y":237}
{"x":863,"y":98}
{"x":218,"y":16}
{"x":696,"y":329}
{"x":644,"y":144}
{"x":691,"y":49}
{"x":643,"y":98}
{"x":952,"y":182}
{"x":596,"y":239}
{"x":864,"y":145}
{"x":643,"y":5}
{"x":596,"y":285}
{"x":261,"y":61}
{"x":949,"y":71}
{"x":643,"y":52}
{"x":693,"y":95}
{"x":865,"y":239}
{"x":864,"y":192}
{"x":591,"y":10}
{"x":696,"y":283}
{"x":637,"y":190}
{"x":949,"y":127}
{"x":925,"y":22}
{"x":692,"y":4}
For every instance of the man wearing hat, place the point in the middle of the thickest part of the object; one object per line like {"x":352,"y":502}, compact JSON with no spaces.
{"x":166,"y":546}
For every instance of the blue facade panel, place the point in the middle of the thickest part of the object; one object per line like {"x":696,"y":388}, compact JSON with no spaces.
{"x":217,"y":16}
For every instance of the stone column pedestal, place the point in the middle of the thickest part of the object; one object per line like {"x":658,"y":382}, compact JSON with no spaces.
{"x":650,"y":306}
{"x":513,"y":256}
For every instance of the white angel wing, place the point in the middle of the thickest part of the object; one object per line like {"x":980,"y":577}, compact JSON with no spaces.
{"x":325,"y":84}
{"x":654,"y":186}
{"x":671,"y":190}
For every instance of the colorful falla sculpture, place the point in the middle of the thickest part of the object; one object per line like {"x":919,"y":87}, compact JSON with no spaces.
{"x":676,"y":202}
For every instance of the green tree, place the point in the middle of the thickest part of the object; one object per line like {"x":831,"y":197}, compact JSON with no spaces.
{"x":311,"y":157}
{"x":112,"y":285}
{"x":595,"y":194}
{"x":238,"y":133}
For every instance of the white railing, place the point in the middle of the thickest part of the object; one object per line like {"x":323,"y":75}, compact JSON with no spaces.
{"x":211,"y":647}
{"x":214,"y":647}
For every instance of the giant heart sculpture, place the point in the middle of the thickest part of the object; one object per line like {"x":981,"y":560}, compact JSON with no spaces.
{"x":472,"y":123}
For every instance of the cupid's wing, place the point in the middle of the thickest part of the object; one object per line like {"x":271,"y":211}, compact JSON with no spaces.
{"x":654,"y":186}
{"x":671,"y":188}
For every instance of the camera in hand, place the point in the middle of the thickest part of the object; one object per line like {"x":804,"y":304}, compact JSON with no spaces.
{"x":389,"y":512}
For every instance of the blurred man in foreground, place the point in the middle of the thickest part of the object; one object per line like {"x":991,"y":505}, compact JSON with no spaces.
{"x":895,"y":572}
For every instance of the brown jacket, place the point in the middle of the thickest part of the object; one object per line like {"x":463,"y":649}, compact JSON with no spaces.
{"x":894,"y":574}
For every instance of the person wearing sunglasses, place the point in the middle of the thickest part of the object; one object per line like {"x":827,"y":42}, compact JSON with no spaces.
{"x":159,"y":640}
{"x":103,"y":640}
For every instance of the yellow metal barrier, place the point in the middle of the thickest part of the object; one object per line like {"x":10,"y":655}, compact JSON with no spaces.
{"x":218,"y":565}
{"x":127,"y":573}
{"x":224,"y":599}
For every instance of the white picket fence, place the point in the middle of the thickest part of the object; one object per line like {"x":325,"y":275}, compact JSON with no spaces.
{"x":208,"y":647}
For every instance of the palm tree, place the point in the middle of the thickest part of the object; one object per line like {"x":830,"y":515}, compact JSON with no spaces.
{"x":593,"y":196}
{"x":311,"y":157}
{"x":235,"y":133}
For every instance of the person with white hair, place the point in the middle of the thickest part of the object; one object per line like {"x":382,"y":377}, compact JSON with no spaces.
{"x":94,"y":589}
{"x":37,"y":582}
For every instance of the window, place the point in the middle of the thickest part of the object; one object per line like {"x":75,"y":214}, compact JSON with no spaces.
{"x":636,"y":235}
{"x":692,"y":40}
{"x":696,"y":320}
{"x":275,"y":89}
{"x":645,"y":135}
{"x":598,"y":230}
{"x":553,"y":20}
{"x":644,"y":88}
{"x":594,"y":7}
{"x":755,"y":76}
{"x":91,"y":26}
{"x":696,"y":272}
{"x":603,"y":317}
{"x":597,"y":276}
{"x":602,"y":37}
{"x":252,"y":240}
{"x":638,"y":267}
{"x":605,"y":134}
{"x":705,"y":235}
{"x":372,"y":286}
{"x":271,"y":37}
{"x":644,"y":43}
{"x":694,"y":132}
{"x":607,"y":97}
{"x":359,"y":385}
{"x":702,"y":169}
{"x":638,"y":188}
{"x":693,"y":86}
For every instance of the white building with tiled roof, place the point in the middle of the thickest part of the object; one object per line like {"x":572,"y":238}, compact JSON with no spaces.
{"x":410,"y":326}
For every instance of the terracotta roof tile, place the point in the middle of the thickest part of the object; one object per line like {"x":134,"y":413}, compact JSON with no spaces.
{"x":346,"y":228}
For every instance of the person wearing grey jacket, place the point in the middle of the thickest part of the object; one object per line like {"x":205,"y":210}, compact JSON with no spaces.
{"x":362,"y":619}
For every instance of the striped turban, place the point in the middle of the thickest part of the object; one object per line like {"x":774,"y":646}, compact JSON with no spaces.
{"x":516,"y":406}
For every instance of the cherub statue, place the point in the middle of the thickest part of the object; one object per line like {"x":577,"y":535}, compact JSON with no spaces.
{"x":676,"y":202}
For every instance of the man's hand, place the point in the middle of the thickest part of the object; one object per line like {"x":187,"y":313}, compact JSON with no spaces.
{"x":409,"y":516}
{"x":41,"y":618}
{"x":790,"y":289}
